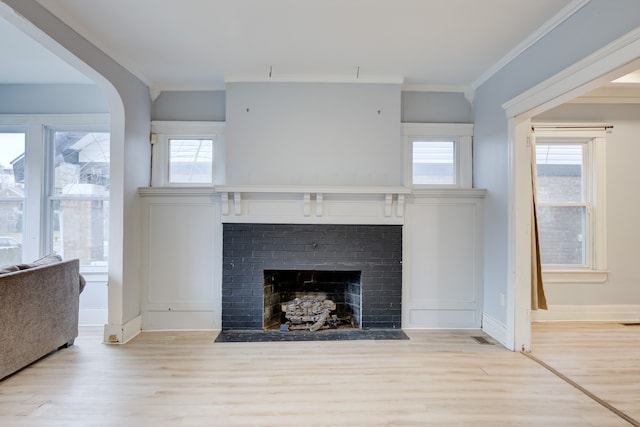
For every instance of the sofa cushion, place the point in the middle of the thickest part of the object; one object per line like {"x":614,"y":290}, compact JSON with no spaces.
{"x":47,"y":259}
{"x":4,"y":269}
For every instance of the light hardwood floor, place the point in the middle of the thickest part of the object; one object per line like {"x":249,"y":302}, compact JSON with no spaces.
{"x":438,"y":378}
{"x":604,"y":358}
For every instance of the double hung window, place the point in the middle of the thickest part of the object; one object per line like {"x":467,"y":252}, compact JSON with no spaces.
{"x":79,"y":195}
{"x":570,"y":196}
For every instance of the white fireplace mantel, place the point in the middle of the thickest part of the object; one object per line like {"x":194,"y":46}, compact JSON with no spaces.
{"x":441,"y":255}
{"x":312,"y":205}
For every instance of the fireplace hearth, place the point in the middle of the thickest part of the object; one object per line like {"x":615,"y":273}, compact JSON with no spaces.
{"x":358,"y":267}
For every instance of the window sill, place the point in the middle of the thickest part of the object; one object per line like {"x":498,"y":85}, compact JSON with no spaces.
{"x":575,"y":276}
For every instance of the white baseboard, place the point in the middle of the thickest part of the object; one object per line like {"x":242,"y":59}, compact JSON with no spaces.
{"x":495,"y":329}
{"x":588,"y":313}
{"x":121,"y":334}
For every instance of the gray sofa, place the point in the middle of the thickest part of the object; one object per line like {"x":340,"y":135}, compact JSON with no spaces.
{"x":38,"y":311}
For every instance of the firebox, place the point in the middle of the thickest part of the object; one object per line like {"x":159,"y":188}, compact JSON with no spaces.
{"x":358,"y":267}
{"x":290,"y":288}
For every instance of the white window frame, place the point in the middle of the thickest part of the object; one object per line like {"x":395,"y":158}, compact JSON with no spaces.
{"x":24,"y":130}
{"x":36,"y":240}
{"x":462,"y":136}
{"x":594,"y":169}
{"x":51,"y":197}
{"x":163,"y":131}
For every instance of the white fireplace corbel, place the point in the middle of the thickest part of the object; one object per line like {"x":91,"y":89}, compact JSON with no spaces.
{"x":313,"y":205}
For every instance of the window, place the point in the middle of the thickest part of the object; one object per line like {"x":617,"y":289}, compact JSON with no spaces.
{"x":433,"y":162}
{"x":79,"y":195}
{"x":54,"y":195}
{"x":12,"y":194}
{"x":190,"y":161}
{"x":438,"y":155}
{"x":187,"y":153}
{"x":570,"y":198}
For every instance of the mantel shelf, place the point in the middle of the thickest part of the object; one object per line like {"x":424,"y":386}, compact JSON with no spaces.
{"x":312,"y":189}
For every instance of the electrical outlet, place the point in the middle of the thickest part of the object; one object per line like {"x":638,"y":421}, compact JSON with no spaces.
{"x":502,"y":300}
{"x":113,"y":339}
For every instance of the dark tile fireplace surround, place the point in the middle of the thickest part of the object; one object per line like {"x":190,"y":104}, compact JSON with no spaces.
{"x":252,"y":253}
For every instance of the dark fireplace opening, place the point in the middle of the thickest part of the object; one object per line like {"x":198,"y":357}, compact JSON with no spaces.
{"x":290,"y":288}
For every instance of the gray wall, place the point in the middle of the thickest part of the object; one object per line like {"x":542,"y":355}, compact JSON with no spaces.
{"x":436,"y":107}
{"x":416,"y":107}
{"x":190,"y":106}
{"x":598,"y":23}
{"x":313,"y":134}
{"x":52,"y":99}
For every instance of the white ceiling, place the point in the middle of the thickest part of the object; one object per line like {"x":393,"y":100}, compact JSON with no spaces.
{"x":198,"y":44}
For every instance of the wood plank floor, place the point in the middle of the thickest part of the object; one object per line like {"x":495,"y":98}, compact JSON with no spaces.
{"x":437,"y":378}
{"x":604,"y":358}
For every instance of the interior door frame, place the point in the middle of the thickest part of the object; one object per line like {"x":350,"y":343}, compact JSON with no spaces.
{"x":612,"y":61}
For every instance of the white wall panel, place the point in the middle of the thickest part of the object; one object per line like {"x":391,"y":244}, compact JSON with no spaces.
{"x":442,"y":263}
{"x":182,"y":255}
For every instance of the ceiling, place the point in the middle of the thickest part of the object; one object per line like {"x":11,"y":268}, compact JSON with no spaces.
{"x":200,"y":44}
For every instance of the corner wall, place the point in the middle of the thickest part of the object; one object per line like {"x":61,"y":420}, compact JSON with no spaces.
{"x":589,"y":29}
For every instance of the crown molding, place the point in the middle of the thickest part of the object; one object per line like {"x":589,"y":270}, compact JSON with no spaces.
{"x":542,"y":31}
{"x":587,"y":74}
{"x":619,"y":93}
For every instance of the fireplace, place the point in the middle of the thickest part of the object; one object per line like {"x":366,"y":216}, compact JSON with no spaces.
{"x":342,"y":288}
{"x":359,"y":265}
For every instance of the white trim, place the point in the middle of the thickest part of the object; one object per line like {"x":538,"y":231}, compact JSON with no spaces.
{"x":615,"y":93}
{"x":195,"y":127}
{"x":588,"y":313}
{"x":495,"y":329}
{"x":123,"y":333}
{"x":519,"y":248}
{"x":450,"y":193}
{"x":161,"y":134}
{"x":534,"y":37}
{"x":619,"y":57}
{"x":177,"y":191}
{"x":460,"y":133}
{"x":310,"y":189}
{"x":574,"y":276}
{"x":311,"y":78}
